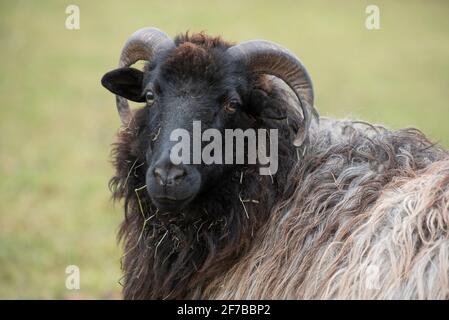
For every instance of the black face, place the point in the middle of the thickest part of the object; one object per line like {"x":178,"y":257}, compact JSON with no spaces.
{"x":187,"y":85}
{"x":177,"y":105}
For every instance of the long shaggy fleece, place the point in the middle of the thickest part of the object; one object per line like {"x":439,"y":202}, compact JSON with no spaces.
{"x":369,"y":219}
{"x":357,"y":212}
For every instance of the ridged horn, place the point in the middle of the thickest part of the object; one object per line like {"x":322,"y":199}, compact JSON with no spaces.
{"x":143,"y":44}
{"x":266,"y":57}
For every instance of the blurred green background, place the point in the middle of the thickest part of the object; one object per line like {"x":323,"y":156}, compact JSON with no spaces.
{"x":57,"y":122}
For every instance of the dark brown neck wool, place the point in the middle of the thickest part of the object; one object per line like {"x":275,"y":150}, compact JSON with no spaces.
{"x":173,"y":256}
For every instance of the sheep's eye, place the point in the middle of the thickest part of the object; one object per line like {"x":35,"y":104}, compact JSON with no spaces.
{"x":149,"y":97}
{"x":231,"y":106}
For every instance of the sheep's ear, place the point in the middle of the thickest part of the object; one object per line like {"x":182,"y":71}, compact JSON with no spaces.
{"x":125,"y":82}
{"x":261,"y":105}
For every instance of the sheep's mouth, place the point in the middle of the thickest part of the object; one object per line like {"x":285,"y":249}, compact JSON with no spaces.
{"x":169,"y":203}
{"x":171,"y":198}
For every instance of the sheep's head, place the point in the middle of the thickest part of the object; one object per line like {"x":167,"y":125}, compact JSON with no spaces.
{"x":203,"y":82}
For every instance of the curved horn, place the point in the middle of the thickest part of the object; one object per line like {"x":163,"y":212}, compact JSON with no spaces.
{"x":143,"y":44}
{"x":270,"y":58}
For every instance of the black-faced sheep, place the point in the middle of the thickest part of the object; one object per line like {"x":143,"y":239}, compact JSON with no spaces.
{"x":353,"y":211}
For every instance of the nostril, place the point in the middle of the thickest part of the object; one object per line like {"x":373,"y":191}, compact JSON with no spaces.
{"x":160,"y":175}
{"x":176,"y":175}
{"x":180,"y":177}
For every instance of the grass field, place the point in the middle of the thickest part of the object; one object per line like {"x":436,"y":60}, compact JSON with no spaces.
{"x":57,"y":122}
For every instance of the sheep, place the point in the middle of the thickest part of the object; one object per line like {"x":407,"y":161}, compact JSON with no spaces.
{"x":355,"y":210}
